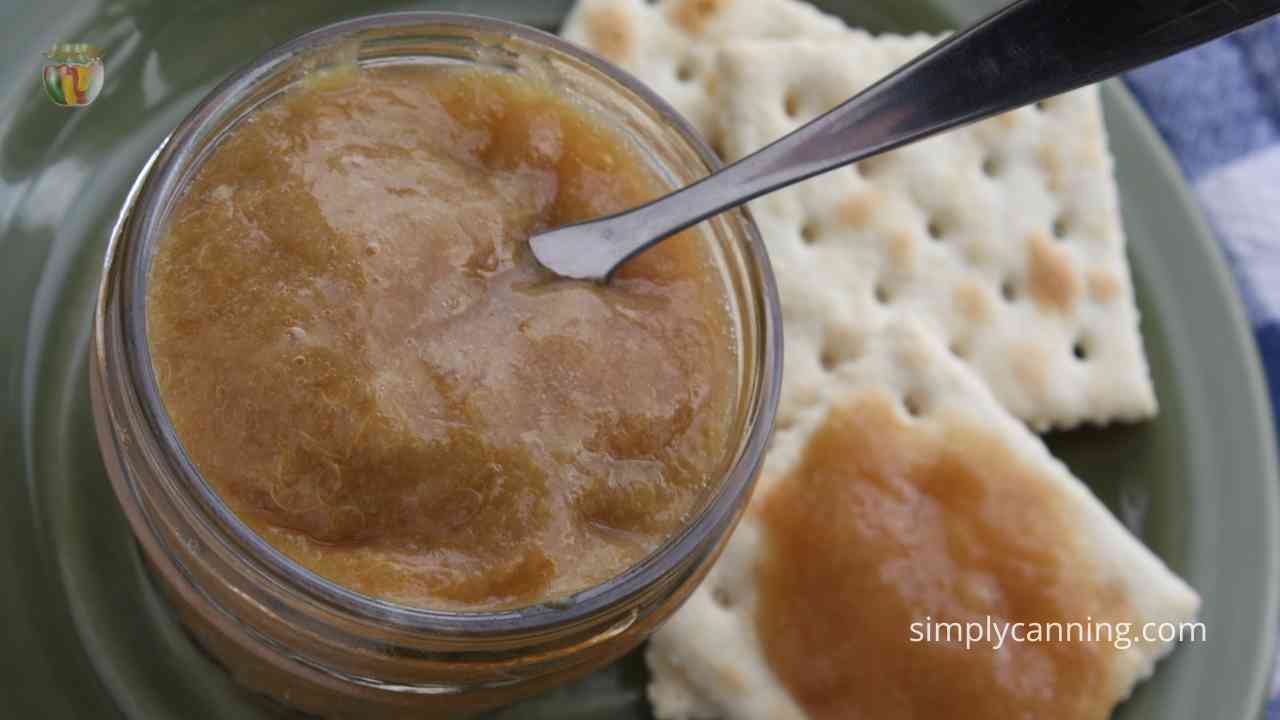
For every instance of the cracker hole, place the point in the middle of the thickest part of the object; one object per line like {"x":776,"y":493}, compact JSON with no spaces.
{"x":685,"y":72}
{"x":784,"y":423}
{"x":833,"y":357}
{"x":1042,"y":105}
{"x":913,"y":403}
{"x":872,"y":166}
{"x":1080,"y":349}
{"x":840,"y":347}
{"x":717,"y":145}
{"x":829,"y":358}
{"x":722,"y":598}
{"x":882,"y":294}
{"x":935,"y":229}
{"x":991,"y":166}
{"x":1061,"y":227}
{"x":959,"y":348}
{"x":1009,"y":290}
{"x":791,"y":104}
{"x":809,"y":233}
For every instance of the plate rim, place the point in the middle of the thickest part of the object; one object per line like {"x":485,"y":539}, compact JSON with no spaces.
{"x":1260,"y":411}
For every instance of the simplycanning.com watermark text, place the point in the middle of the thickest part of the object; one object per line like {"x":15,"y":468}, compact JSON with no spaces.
{"x":995,"y":632}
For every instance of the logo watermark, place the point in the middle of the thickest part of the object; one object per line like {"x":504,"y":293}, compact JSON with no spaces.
{"x":995,"y":633}
{"x":73,"y":74}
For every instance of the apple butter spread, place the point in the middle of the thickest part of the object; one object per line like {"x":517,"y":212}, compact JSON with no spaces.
{"x":937,"y":524}
{"x":361,"y":356}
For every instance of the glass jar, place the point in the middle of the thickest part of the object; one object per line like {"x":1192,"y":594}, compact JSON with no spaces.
{"x":304,"y":640}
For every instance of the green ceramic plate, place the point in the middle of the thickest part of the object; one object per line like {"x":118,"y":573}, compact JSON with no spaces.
{"x":83,"y":633}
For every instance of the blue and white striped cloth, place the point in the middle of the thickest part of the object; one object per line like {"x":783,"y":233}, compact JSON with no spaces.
{"x":1218,"y":107}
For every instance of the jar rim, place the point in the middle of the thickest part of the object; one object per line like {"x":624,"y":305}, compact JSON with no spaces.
{"x":145,"y":212}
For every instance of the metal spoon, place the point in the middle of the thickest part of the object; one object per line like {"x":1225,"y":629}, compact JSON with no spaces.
{"x":1028,"y":51}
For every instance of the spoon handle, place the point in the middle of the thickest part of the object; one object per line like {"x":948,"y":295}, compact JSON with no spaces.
{"x":1027,"y":51}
